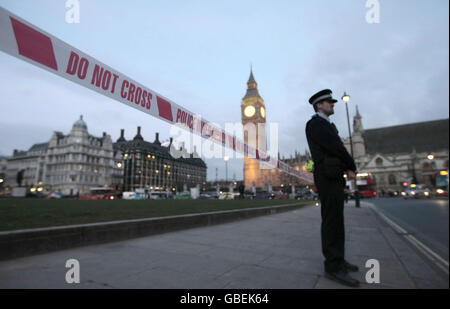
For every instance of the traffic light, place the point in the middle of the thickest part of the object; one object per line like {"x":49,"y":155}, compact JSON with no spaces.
{"x":405,"y":184}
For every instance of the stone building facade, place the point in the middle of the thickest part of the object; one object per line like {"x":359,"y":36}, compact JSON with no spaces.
{"x":70,"y":164}
{"x":409,"y":153}
{"x":26,"y":167}
{"x":150,"y":165}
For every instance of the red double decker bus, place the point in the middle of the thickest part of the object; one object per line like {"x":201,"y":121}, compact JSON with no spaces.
{"x":366,"y":187}
{"x":100,"y":193}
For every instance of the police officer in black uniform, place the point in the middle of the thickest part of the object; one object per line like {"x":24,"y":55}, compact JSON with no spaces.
{"x":331,"y":161}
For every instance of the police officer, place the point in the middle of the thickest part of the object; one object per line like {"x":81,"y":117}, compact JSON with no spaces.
{"x":331,"y":161}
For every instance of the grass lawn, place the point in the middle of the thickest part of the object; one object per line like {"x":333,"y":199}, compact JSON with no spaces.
{"x":32,"y":213}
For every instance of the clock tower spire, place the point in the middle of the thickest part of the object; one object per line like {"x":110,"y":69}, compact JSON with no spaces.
{"x":252,"y":87}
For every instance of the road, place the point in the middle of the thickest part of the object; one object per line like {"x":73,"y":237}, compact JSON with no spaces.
{"x":426,"y":219}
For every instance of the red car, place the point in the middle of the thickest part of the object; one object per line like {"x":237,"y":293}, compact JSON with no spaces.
{"x":441,"y":193}
{"x":280,"y":196}
{"x":100,"y":194}
{"x":92,"y":197}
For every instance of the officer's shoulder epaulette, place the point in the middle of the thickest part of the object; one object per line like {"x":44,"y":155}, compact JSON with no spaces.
{"x":314,"y":118}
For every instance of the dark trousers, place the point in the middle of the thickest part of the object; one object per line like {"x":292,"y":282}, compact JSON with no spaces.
{"x":331,"y":195}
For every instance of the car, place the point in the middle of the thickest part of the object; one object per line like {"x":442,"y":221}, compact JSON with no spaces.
{"x":214,"y":194}
{"x":281,"y":196}
{"x":205,"y":196}
{"x":263,"y":195}
{"x":182,"y":196}
{"x":141,"y":194}
{"x":91,"y":197}
{"x":236,"y":195}
{"x":391,"y":193}
{"x":307,"y":195}
{"x":128,"y":195}
{"x":112,"y":196}
{"x":226,"y":196}
{"x":55,"y":195}
{"x":441,"y":192}
{"x":161,"y":195}
{"x":416,"y":191}
{"x":100,"y":193}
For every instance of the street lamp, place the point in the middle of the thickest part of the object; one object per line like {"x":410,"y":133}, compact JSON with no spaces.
{"x":226,"y":158}
{"x":346,"y":98}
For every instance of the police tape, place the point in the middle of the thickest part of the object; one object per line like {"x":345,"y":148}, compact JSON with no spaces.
{"x":25,"y":41}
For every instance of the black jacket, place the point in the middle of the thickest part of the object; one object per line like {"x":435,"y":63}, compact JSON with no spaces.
{"x":326,"y":145}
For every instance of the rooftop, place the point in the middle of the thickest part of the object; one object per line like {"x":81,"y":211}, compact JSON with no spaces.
{"x":428,"y":136}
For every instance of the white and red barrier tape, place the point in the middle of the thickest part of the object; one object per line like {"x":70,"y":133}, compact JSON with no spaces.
{"x":29,"y":43}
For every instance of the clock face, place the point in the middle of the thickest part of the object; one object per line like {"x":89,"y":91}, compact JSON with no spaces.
{"x":263,"y":112}
{"x":249,"y":111}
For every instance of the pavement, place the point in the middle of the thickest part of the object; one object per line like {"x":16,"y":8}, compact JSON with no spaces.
{"x":279,"y":251}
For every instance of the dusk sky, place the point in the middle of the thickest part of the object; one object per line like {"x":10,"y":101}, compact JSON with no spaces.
{"x":198,"y":54}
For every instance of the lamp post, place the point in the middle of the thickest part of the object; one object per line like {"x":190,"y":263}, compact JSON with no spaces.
{"x":413,"y":168}
{"x":429,"y":178}
{"x":346,"y":98}
{"x":226,"y":158}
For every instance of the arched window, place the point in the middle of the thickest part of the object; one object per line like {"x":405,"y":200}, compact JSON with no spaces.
{"x":379,"y":162}
{"x":392,"y":180}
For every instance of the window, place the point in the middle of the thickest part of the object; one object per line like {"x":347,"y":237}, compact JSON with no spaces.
{"x":379,"y":162}
{"x":392,"y":180}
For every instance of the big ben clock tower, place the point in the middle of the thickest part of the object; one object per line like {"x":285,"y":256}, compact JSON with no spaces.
{"x":253,"y":114}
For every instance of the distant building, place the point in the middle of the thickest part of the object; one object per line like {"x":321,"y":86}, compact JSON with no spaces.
{"x":70,"y":164}
{"x":150,"y":165}
{"x":25,"y":168}
{"x":3,"y":164}
{"x":297,"y":162}
{"x":411,"y":153}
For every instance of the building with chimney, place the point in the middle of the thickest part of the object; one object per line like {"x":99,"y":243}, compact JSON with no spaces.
{"x":151,"y":165}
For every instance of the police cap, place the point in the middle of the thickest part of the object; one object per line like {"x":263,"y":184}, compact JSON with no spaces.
{"x":323,"y":95}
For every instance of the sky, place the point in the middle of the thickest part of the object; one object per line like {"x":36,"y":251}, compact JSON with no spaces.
{"x":198,"y":54}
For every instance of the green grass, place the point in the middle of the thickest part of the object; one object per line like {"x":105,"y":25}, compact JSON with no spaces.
{"x":33,"y":213}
